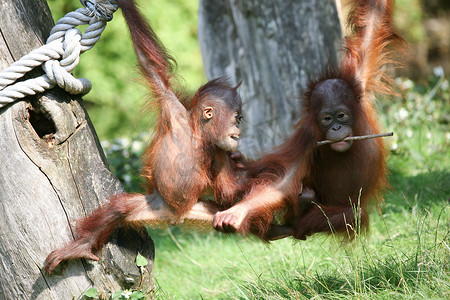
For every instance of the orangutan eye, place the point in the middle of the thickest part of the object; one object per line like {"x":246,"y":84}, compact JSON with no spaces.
{"x":326,"y":120}
{"x":343,"y":116}
{"x":238,"y":117}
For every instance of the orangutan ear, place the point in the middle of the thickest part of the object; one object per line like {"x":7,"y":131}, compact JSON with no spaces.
{"x":208,"y":113}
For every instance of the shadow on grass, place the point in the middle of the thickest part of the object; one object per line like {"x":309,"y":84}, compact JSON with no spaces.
{"x":172,"y":238}
{"x":422,"y":190}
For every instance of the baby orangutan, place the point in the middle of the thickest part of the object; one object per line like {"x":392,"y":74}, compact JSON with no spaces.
{"x":192,"y":153}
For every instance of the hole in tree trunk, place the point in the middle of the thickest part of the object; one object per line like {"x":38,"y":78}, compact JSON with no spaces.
{"x":44,"y":127}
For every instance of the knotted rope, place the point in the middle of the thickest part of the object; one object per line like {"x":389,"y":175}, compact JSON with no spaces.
{"x":60,"y":55}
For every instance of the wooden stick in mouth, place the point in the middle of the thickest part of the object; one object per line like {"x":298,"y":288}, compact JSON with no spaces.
{"x":357,"y":138}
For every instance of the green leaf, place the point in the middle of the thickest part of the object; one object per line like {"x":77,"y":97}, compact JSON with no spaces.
{"x":91,"y":293}
{"x":141,"y":261}
{"x":136,"y":295}
{"x":117,"y":295}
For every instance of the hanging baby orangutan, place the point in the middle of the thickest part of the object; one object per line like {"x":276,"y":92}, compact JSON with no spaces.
{"x":191,"y":153}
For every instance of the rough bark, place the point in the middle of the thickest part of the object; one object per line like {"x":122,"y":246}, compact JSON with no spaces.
{"x":53,"y":172}
{"x":274,"y":47}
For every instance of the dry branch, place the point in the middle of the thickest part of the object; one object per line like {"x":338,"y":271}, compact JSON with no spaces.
{"x":357,"y":138}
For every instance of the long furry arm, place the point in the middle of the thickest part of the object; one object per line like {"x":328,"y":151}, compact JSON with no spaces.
{"x":366,"y":51}
{"x":155,"y":62}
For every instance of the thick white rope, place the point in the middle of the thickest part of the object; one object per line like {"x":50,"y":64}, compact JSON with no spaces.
{"x":60,"y":55}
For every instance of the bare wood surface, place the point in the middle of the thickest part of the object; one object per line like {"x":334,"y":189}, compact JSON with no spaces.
{"x":52,"y":172}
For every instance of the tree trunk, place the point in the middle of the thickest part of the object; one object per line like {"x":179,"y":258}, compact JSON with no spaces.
{"x":274,"y":47}
{"x":53,"y":172}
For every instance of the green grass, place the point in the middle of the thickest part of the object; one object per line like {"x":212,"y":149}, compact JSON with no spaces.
{"x":405,"y":256}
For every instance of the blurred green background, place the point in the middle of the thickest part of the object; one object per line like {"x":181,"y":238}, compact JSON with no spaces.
{"x":116,"y":100}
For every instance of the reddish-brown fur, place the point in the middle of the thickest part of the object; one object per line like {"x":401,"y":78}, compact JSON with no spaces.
{"x":189,"y":155}
{"x":341,"y":181}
